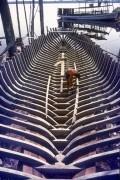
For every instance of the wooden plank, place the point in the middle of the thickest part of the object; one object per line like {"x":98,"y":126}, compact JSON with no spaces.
{"x":76,"y":100}
{"x":62,"y":71}
{"x":47,"y":93}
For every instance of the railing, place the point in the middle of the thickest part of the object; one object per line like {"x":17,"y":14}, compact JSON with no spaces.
{"x":47,"y":93}
{"x":76,"y":100}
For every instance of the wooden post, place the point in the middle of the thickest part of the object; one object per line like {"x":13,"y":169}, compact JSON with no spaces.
{"x":77,"y":97}
{"x":26,"y":21}
{"x":47,"y":93}
{"x":18,"y":19}
{"x":62,"y":71}
{"x":41,"y":16}
{"x":7,"y":25}
{"x":32,"y":24}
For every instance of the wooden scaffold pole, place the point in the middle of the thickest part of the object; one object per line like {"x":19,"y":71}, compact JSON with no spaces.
{"x":7,"y":26}
{"x":41,"y":16}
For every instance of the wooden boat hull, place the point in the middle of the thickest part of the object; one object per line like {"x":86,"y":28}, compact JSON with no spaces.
{"x":105,"y":17}
{"x":47,"y":132}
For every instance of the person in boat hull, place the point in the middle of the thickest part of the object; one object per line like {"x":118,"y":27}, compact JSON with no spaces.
{"x":69,"y":75}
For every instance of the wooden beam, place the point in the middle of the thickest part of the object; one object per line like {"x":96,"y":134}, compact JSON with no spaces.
{"x":7,"y":25}
{"x":47,"y":93}
{"x":41,"y":16}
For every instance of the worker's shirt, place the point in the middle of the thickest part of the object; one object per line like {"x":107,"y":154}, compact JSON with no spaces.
{"x":71,"y":72}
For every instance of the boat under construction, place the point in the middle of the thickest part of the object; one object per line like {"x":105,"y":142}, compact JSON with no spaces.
{"x":47,"y":132}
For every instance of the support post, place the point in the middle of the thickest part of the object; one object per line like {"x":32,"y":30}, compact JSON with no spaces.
{"x":76,"y":99}
{"x":26,"y":21}
{"x":41,"y":16}
{"x":62,"y":74}
{"x":32,"y":24}
{"x":7,"y":25}
{"x":19,"y":29}
{"x":47,"y":93}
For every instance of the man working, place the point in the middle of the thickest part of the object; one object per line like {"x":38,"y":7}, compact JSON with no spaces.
{"x":69,"y":75}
